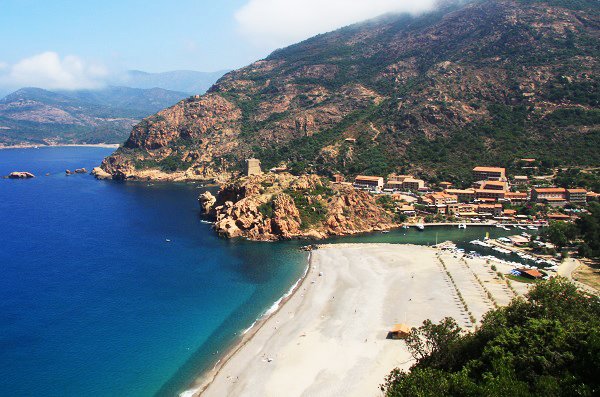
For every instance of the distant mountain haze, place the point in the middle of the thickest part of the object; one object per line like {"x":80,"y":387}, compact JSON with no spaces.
{"x":188,"y":81}
{"x":38,"y":116}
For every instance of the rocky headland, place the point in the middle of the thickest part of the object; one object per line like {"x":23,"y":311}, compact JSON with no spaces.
{"x":283,"y":206}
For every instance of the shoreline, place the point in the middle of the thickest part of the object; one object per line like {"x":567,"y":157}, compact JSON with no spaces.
{"x":32,"y":146}
{"x":205,"y":379}
{"x":332,"y":339}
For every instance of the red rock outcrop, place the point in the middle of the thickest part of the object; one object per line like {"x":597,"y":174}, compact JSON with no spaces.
{"x":282,"y":206}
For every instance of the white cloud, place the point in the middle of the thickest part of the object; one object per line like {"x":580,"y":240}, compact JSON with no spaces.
{"x":48,"y":70}
{"x":283,"y":22}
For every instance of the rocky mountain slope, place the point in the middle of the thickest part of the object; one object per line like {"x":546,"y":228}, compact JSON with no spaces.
{"x":37,"y":116}
{"x":483,"y":82}
{"x":283,"y":206}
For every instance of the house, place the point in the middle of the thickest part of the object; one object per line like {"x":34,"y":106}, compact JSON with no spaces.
{"x":413,"y":184}
{"x":462,"y":209}
{"x":517,"y":197}
{"x":495,"y":185}
{"x":490,"y":209}
{"x":369,"y":182}
{"x":407,"y":210}
{"x":509,"y":213}
{"x":350,"y":140}
{"x":577,"y":196}
{"x":438,"y":198}
{"x":559,"y":217}
{"x":520,"y":180}
{"x":489,"y":173}
{"x":338,"y":178}
{"x":542,"y":194}
{"x":445,"y":185}
{"x":464,"y":195}
{"x":393,"y":185}
{"x":398,"y":178}
{"x":493,"y":195}
{"x":530,"y":273}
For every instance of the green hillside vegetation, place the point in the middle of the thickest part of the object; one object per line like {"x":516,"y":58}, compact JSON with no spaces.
{"x":470,"y":83}
{"x":545,"y":345}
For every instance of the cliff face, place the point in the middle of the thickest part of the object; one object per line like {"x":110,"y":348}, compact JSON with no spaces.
{"x":282,"y":206}
{"x":483,"y":82}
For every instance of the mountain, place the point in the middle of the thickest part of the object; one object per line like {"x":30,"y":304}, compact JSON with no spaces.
{"x":179,"y":80}
{"x":485,"y":82}
{"x":37,"y":116}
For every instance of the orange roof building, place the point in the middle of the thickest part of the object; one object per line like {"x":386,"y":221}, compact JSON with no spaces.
{"x":491,"y":173}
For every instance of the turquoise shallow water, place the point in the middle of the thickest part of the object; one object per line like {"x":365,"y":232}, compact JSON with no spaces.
{"x":94,"y":301}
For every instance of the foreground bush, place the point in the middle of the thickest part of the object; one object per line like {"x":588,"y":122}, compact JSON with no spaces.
{"x":545,"y":345}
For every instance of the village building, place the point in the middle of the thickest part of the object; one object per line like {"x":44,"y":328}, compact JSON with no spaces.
{"x":517,"y":197}
{"x":407,"y":210}
{"x":338,"y":178}
{"x":462,"y":209}
{"x":530,"y":273}
{"x":491,"y":210}
{"x":445,"y":185}
{"x":398,"y":178}
{"x":253,"y":167}
{"x":369,"y":182}
{"x":542,"y":194}
{"x":489,"y":173}
{"x":438,"y":198}
{"x":559,"y":217}
{"x":489,"y":194}
{"x":520,"y":180}
{"x":577,"y":196}
{"x":463,"y":195}
{"x":413,"y":184}
{"x":509,"y":213}
{"x":495,"y":185}
{"x":393,"y":185}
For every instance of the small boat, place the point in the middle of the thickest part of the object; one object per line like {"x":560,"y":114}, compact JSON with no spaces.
{"x":167,"y":240}
{"x":405,"y":227}
{"x":462,"y":225}
{"x":521,"y":227}
{"x":531,"y":227}
{"x":420,"y":226}
{"x":385,"y":231}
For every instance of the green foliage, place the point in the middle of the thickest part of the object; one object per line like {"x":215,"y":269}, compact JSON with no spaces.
{"x":386,"y":202}
{"x":548,"y":344}
{"x":266,"y":209}
{"x":172,"y":163}
{"x":584,"y":233}
{"x":312,"y":210}
{"x":574,"y":177}
{"x":560,"y":233}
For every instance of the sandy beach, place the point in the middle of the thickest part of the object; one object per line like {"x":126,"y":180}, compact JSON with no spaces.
{"x":330,"y":337}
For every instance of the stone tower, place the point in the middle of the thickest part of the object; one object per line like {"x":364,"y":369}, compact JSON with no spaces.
{"x":253,"y":167}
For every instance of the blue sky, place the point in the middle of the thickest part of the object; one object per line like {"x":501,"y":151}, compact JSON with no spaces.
{"x":80,"y":44}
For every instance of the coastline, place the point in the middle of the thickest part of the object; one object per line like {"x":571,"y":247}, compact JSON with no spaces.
{"x":204,"y":380}
{"x":31,"y":146}
{"x":332,"y":338}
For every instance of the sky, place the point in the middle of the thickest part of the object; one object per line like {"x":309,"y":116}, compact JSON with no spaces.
{"x":71,"y":44}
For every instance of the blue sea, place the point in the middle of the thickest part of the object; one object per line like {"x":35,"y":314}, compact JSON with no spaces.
{"x":95,"y":301}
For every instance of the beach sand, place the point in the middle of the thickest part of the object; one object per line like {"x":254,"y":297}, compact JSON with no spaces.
{"x":330,"y":337}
